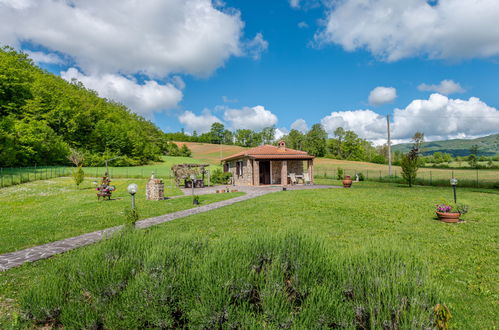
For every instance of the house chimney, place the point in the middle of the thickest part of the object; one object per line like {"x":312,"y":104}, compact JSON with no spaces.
{"x":281,"y":144}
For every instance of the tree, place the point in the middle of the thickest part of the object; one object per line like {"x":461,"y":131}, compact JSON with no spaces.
{"x":410,"y":161}
{"x":217,"y":132}
{"x":295,"y":139}
{"x":473,"y":161}
{"x":268,"y":135}
{"x":315,"y":141}
{"x":76,"y":157}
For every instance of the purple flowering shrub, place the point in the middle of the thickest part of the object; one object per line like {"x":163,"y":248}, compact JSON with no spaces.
{"x":444,"y":208}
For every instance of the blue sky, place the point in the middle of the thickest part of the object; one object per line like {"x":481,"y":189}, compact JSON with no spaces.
{"x":310,"y":60}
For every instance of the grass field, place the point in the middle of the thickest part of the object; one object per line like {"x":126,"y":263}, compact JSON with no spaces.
{"x":461,"y":259}
{"x":48,"y":210}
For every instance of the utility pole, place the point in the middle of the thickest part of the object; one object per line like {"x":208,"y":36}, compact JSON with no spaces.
{"x":389,"y":146}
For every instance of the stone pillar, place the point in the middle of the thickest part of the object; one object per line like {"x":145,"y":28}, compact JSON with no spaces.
{"x":256,"y":173}
{"x":155,"y":190}
{"x":284,"y":173}
{"x":310,"y":168}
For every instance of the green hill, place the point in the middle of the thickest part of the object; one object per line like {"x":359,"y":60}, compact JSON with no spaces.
{"x":487,"y":146}
{"x":42,"y":116}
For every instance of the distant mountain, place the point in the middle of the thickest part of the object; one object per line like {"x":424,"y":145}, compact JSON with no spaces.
{"x":487,"y":146}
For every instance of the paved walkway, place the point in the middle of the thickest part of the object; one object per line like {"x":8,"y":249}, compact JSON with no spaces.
{"x":17,"y":258}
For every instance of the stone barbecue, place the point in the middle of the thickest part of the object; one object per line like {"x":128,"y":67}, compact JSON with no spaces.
{"x":155,"y":189}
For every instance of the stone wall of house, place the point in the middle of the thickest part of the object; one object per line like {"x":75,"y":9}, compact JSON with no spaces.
{"x":246,"y":179}
{"x":295,"y":166}
{"x":276,"y":166}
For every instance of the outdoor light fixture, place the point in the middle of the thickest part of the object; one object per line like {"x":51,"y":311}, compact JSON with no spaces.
{"x":193,"y":177}
{"x":453,"y":183}
{"x":132,"y":190}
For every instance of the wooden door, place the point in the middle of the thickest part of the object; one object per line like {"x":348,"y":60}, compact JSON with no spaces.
{"x":265,"y":172}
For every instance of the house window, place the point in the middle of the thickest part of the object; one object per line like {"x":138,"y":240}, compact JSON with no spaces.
{"x":239,"y":168}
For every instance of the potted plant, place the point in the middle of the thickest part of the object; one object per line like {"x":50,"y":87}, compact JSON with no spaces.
{"x":347,"y":182}
{"x":450,"y":214}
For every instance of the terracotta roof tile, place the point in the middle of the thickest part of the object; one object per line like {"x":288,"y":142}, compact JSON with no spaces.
{"x":270,"y":152}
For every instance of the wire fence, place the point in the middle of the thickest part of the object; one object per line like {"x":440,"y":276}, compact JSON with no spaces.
{"x":480,"y":178}
{"x":16,"y":175}
{"x":477,"y":178}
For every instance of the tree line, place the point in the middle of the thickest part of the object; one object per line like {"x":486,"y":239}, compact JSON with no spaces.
{"x":344,"y":145}
{"x":43,"y":117}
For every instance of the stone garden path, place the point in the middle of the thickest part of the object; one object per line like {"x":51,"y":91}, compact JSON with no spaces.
{"x":17,"y":258}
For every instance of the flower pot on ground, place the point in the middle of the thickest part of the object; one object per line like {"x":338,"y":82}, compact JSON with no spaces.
{"x":347,"y":182}
{"x":450,"y":214}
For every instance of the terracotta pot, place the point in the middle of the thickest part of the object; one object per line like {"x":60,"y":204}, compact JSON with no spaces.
{"x":347,"y":182}
{"x":448,"y":217}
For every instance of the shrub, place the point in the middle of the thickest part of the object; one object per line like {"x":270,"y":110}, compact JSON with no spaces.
{"x":142,"y":280}
{"x":131,"y":216}
{"x":339,"y":174}
{"x":78,"y":175}
{"x":219,"y":177}
{"x":361,"y":176}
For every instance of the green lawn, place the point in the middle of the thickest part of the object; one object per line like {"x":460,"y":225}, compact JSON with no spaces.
{"x":462,"y":259}
{"x":48,"y":210}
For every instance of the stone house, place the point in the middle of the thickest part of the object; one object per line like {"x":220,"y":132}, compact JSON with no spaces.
{"x":268,"y":165}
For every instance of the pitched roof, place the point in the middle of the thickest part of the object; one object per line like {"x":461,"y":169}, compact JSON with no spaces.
{"x":270,"y":152}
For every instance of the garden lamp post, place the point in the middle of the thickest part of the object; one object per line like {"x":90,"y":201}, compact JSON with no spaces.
{"x":132,"y":190}
{"x":453,"y":183}
{"x":193,"y":177}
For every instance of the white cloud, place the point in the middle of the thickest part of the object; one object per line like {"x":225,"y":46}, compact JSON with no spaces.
{"x":438,"y":117}
{"x":154,"y":38}
{"x":256,"y":46}
{"x":280,"y":132}
{"x":300,"y":125}
{"x":303,"y":25}
{"x":144,"y":99}
{"x":41,"y":57}
{"x":393,"y":29}
{"x":227,"y":99}
{"x":294,"y":3}
{"x":382,"y":95}
{"x":199,"y":123}
{"x":445,"y":87}
{"x":255,"y":118}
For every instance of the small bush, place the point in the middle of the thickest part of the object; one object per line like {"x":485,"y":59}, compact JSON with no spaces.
{"x":361,"y":176}
{"x":219,"y":177}
{"x":78,"y":175}
{"x":339,"y":174}
{"x":142,"y":280}
{"x":131,"y":216}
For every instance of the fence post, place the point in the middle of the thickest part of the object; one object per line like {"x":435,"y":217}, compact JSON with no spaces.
{"x":380,"y":174}
{"x":431,"y":178}
{"x":28,"y":174}
{"x":477,"y":177}
{"x":1,"y":175}
{"x":367,"y":175}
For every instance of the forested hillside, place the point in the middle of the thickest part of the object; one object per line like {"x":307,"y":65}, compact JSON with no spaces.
{"x":42,"y":116}
{"x":484,"y":146}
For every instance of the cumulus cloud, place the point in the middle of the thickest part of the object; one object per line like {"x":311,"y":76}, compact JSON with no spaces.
{"x":393,"y":30}
{"x":255,"y":118}
{"x":382,"y":95}
{"x":439,"y":117}
{"x":300,"y":125}
{"x":280,"y":132}
{"x":155,"y":38}
{"x":199,"y":123}
{"x":41,"y":57}
{"x":445,"y":87}
{"x":144,"y":99}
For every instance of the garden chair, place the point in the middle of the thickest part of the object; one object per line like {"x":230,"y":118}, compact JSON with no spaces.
{"x":306,"y":179}
{"x":292,"y":177}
